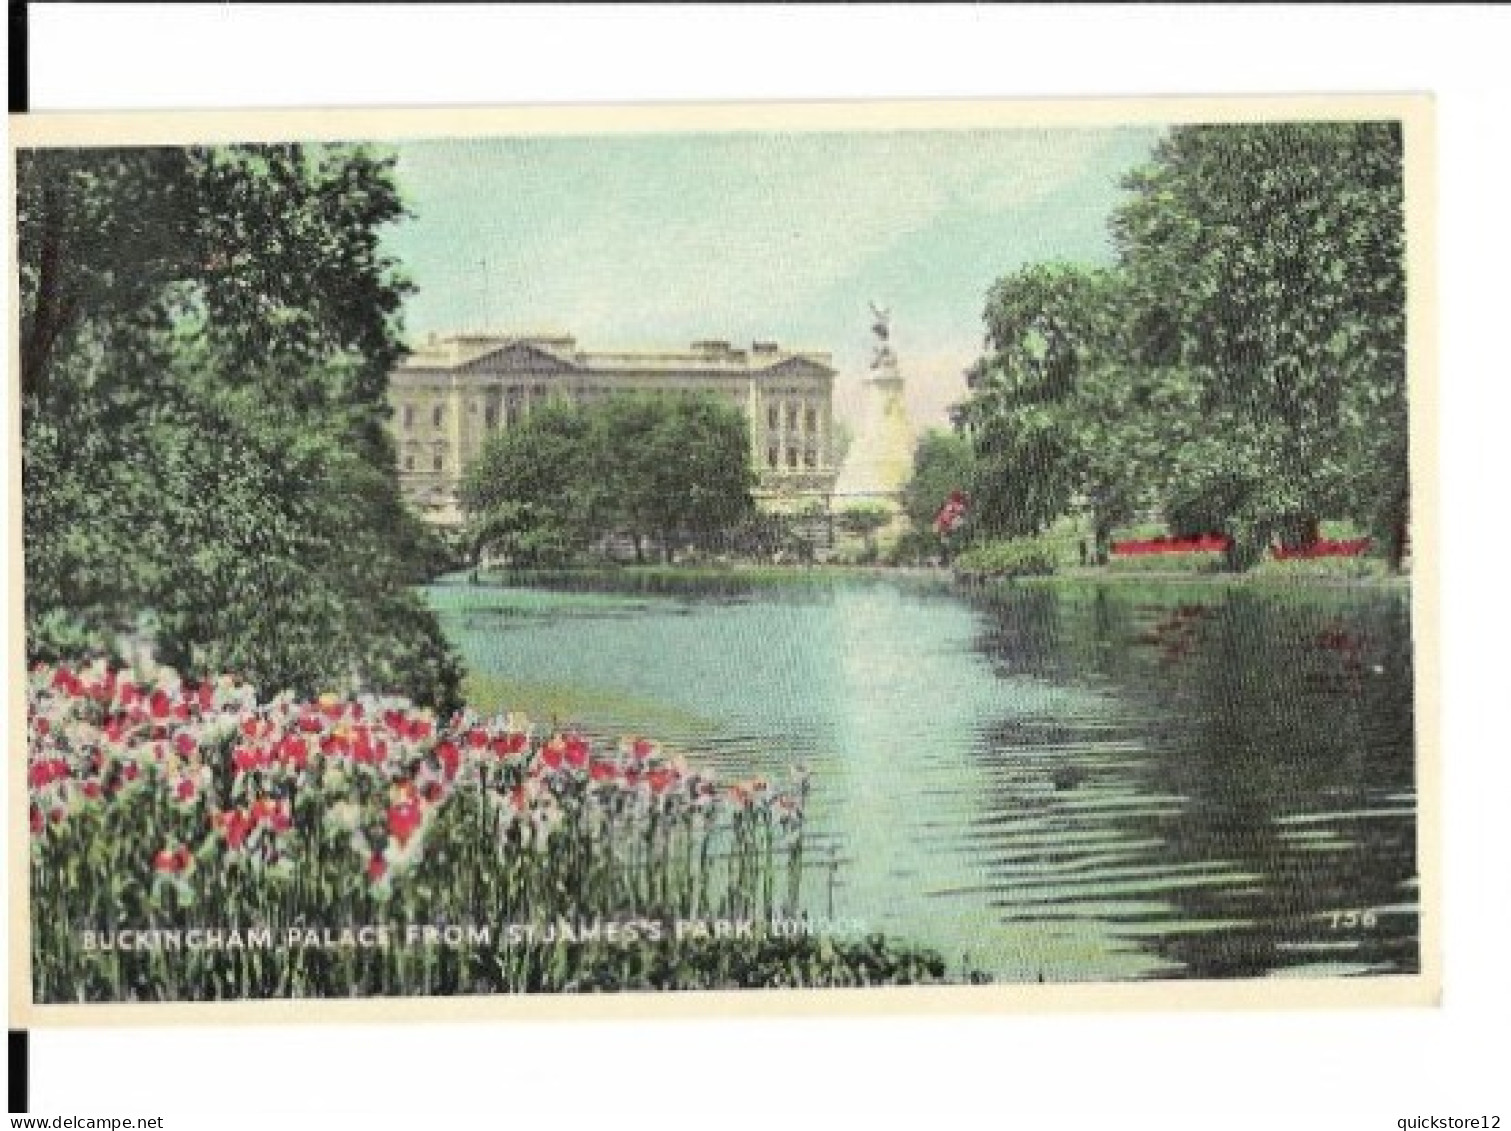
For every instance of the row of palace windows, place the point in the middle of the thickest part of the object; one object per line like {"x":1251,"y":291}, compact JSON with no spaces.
{"x":516,"y":403}
{"x":774,"y":418}
{"x":808,"y":457}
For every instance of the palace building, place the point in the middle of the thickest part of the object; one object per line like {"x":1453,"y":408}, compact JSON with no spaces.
{"x":454,"y":391}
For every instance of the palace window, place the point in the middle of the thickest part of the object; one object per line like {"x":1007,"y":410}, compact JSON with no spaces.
{"x":810,"y":458}
{"x":409,"y":416}
{"x":792,"y":417}
{"x":409,"y":463}
{"x":773,"y":420}
{"x":772,"y":456}
{"x":439,"y":462}
{"x":438,"y":415}
{"x":792,"y":458}
{"x":490,"y":417}
{"x":811,"y":419}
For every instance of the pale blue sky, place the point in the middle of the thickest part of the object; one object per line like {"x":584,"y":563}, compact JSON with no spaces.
{"x":661,"y":239}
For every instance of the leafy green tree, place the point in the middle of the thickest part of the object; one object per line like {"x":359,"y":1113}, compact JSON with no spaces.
{"x":653,"y":468}
{"x":678,"y":467}
{"x":943,"y":462}
{"x":1267,"y":263}
{"x":1045,"y":414}
{"x":536,"y":494}
{"x":206,"y":335}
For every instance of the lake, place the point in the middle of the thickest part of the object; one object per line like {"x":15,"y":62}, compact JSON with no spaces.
{"x":1068,"y":782}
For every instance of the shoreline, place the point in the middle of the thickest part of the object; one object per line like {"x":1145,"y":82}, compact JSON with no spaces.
{"x":943,"y":576}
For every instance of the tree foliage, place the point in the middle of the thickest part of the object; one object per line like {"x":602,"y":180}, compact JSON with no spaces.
{"x":1044,"y":414}
{"x":206,"y":336}
{"x":943,"y":462}
{"x":652,"y":468}
{"x":1241,"y":368}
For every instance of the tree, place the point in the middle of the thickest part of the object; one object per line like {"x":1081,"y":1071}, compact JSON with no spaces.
{"x":653,"y":468}
{"x":206,"y":337}
{"x":536,"y":494}
{"x":1267,"y":263}
{"x":677,"y":467}
{"x":1046,"y":411}
{"x":943,"y":462}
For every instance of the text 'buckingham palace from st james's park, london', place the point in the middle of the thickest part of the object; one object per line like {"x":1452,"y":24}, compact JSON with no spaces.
{"x":455,"y":391}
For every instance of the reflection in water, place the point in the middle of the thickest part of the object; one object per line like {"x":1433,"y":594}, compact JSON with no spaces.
{"x":1093,"y":783}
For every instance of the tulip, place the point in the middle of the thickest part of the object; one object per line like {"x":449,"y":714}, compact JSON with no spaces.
{"x":403,"y":819}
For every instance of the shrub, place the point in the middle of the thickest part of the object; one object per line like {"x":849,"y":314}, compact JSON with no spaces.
{"x":1014,"y":557}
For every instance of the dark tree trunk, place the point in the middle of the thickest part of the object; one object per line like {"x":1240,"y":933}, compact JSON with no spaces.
{"x":53,"y":309}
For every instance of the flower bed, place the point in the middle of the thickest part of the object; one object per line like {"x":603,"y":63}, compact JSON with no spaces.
{"x":173,"y":807}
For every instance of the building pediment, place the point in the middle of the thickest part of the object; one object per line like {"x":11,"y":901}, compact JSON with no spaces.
{"x":798,"y":367}
{"x":520,"y":357}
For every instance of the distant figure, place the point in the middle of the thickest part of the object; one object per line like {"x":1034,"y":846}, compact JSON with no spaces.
{"x":1083,"y":551}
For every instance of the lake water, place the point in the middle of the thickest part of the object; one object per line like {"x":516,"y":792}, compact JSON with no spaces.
{"x":1077,"y":782}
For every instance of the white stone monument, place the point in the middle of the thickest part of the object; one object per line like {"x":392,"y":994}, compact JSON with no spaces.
{"x":880,"y":461}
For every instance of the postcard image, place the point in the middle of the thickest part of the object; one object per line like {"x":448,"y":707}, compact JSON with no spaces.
{"x":897,"y":555}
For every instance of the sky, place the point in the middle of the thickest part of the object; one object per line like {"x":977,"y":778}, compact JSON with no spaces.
{"x":658,"y":240}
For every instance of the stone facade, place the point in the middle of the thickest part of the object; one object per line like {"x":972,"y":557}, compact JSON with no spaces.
{"x":453,"y":392}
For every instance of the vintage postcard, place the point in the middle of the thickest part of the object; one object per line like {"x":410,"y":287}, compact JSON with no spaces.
{"x":723,"y":559}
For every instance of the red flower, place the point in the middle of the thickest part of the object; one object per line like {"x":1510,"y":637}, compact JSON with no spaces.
{"x":376,"y":867}
{"x":599,"y":770}
{"x":643,"y":748}
{"x":403,"y":819}
{"x":184,"y":743}
{"x":129,"y":771}
{"x":92,"y":790}
{"x":37,"y":824}
{"x":41,"y":725}
{"x":294,"y":749}
{"x":311,"y":724}
{"x":237,"y":826}
{"x":185,"y":790}
{"x":173,"y":862}
{"x":661,"y":780}
{"x":477,"y":738}
{"x":159,"y":704}
{"x":245,"y":759}
{"x":551,"y":752}
{"x":576,"y":752}
{"x":506,"y":745}
{"x":65,"y":681}
{"x":450,"y":757}
{"x":206,"y":696}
